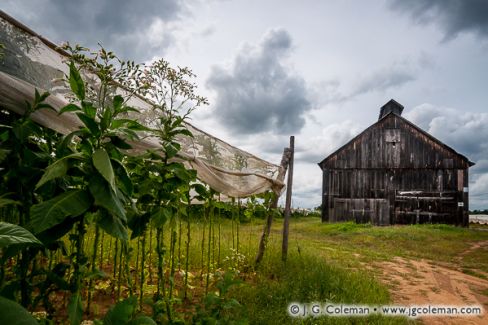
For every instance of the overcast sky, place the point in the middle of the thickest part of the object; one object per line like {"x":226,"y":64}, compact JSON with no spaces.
{"x":319,"y":70}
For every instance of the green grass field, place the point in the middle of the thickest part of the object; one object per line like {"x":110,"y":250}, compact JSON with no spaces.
{"x":331,"y":263}
{"x":326,"y":263}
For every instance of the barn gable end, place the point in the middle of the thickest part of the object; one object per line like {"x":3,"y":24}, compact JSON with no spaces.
{"x":394,"y":172}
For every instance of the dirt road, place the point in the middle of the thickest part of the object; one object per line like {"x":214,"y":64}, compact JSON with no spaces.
{"x":421,"y":282}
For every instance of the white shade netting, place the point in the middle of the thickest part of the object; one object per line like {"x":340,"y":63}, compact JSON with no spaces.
{"x":31,"y":62}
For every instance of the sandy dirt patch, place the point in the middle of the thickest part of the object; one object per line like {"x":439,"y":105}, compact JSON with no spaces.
{"x":421,"y":282}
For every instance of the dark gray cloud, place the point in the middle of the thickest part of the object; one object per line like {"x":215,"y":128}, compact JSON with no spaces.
{"x":134,"y":30}
{"x":258,"y":93}
{"x":379,"y":80}
{"x":382,"y":80}
{"x":453,"y":16}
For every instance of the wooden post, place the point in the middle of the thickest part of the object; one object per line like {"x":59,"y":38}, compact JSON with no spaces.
{"x":289,"y":184}
{"x":273,"y":205}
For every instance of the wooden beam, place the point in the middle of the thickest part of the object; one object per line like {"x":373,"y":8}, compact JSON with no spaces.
{"x":289,"y":185}
{"x":273,"y":205}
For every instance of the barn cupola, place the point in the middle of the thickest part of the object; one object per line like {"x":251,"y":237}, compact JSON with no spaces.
{"x":391,"y":106}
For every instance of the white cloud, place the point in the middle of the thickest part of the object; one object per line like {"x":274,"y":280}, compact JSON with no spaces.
{"x":466,"y":133}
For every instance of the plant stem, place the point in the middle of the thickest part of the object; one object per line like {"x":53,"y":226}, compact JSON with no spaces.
{"x":187,"y":257}
{"x":93,"y":267}
{"x":143,"y":244}
{"x":119,"y":278}
{"x":210,"y":213}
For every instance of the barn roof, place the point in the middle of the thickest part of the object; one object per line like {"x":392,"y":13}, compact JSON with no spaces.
{"x":384,"y":115}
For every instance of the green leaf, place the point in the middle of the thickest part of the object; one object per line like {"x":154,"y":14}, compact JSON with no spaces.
{"x":117,"y":102}
{"x":186,"y":132}
{"x":123,"y":180}
{"x":180,"y":171}
{"x":57,"y":169}
{"x":63,"y":147}
{"x":170,"y":150}
{"x":113,"y":226}
{"x":14,"y":314}
{"x":200,"y":189}
{"x":52,"y":212}
{"x":121,"y":313}
{"x":76,"y":83}
{"x":23,"y":130}
{"x":138,"y":224}
{"x":106,"y":118}
{"x":136,"y":126}
{"x":75,"y":309}
{"x":5,"y":202}
{"x":3,"y":154}
{"x":142,"y":320}
{"x":105,"y":197}
{"x":53,"y":234}
{"x":89,"y":123}
{"x":102,"y":163}
{"x":11,"y":234}
{"x":69,"y":108}
{"x":119,"y":143}
{"x":4,"y":136}
{"x":127,"y":109}
{"x":130,"y":124}
{"x":161,"y":215}
{"x":89,"y":109}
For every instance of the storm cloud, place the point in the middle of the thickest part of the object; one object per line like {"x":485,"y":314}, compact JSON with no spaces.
{"x":453,"y":16}
{"x":382,"y":80}
{"x":258,"y":93}
{"x":133,"y":30}
{"x":379,"y":80}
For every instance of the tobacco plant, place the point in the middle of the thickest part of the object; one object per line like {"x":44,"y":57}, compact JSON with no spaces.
{"x":89,"y":172}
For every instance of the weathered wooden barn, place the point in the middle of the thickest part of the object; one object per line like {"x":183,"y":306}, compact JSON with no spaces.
{"x":395,"y":173}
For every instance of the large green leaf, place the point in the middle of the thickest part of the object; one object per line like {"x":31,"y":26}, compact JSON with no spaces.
{"x":119,"y":142}
{"x":113,"y":226}
{"x":121,"y":313}
{"x":76,"y":83}
{"x":75,"y":309}
{"x":123,"y":180}
{"x":102,"y":163}
{"x":57,"y":169}
{"x":11,"y":234}
{"x":69,"y":108}
{"x":89,"y":123}
{"x":105,"y":197}
{"x":52,"y":212}
{"x":14,"y":314}
{"x":117,"y":103}
{"x":160,"y":215}
{"x":138,"y":224}
{"x":4,"y":202}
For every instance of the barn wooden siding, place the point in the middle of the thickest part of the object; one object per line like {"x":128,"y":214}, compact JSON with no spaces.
{"x":395,"y":173}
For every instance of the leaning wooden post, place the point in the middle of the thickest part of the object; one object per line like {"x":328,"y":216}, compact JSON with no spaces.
{"x":273,"y":205}
{"x":289,"y":184}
